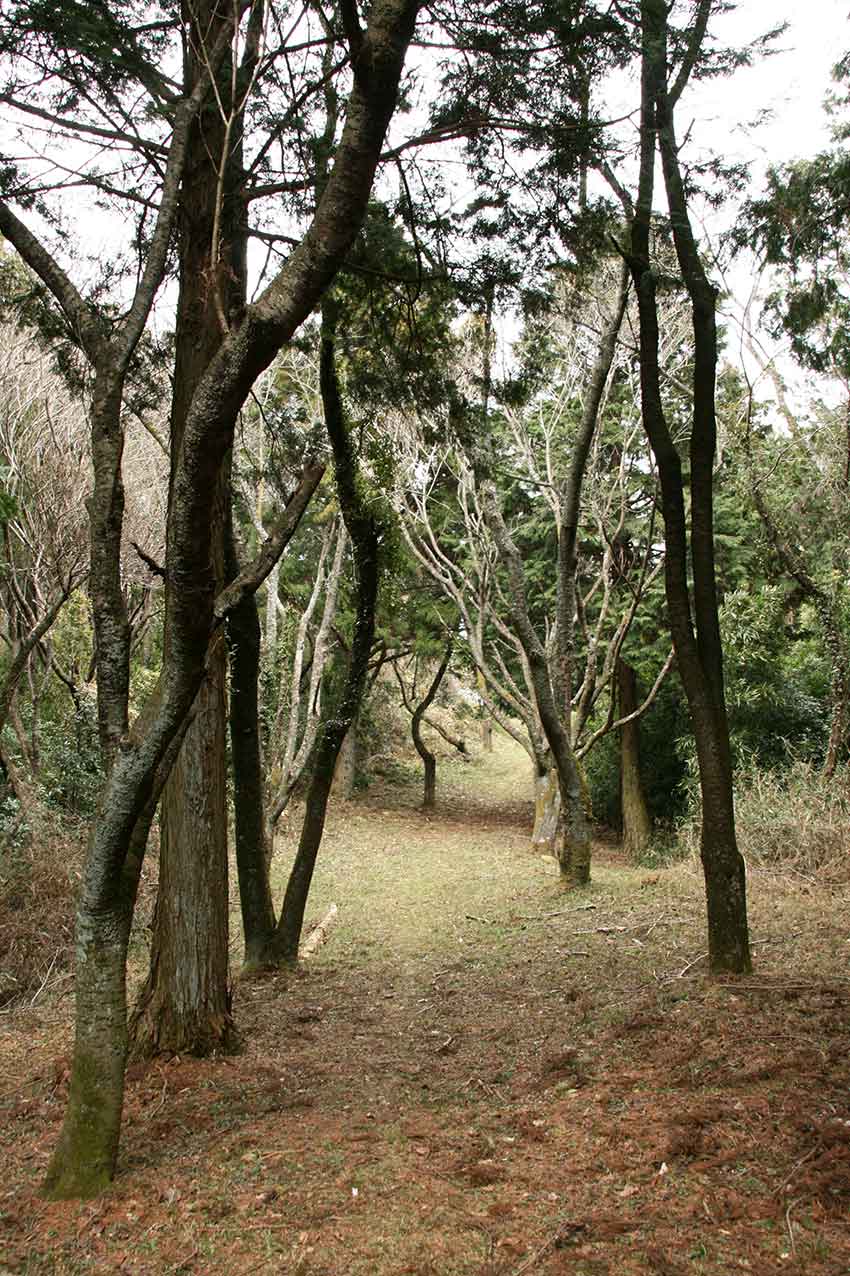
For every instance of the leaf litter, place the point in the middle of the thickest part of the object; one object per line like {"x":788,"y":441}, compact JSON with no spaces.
{"x":434,"y":1095}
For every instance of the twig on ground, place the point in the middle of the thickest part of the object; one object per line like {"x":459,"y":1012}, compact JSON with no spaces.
{"x":790,"y":1227}
{"x":602,"y":930}
{"x":562,"y":912}
{"x":43,"y":983}
{"x":161,"y":1103}
{"x":802,"y":1161}
{"x":485,"y":921}
{"x":685,"y":969}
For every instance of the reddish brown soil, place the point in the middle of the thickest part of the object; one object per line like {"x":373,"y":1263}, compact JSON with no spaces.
{"x":556,"y":1095}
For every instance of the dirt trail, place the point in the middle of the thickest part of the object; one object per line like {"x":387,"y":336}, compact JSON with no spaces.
{"x":479,"y":1074}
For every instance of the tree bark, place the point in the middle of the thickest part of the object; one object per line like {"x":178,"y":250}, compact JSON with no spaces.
{"x":84,"y":1158}
{"x":253,"y":852}
{"x":547,"y":809}
{"x":345,"y":768}
{"x":184,"y":1007}
{"x":637,"y":824}
{"x":89,"y":1136}
{"x":429,"y":760}
{"x":697,"y":642}
{"x":364,"y":528}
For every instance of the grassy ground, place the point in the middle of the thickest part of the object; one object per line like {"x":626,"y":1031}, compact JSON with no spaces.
{"x":476,"y":1074}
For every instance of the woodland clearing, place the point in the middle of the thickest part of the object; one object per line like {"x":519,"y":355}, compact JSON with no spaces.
{"x":477,"y":1074}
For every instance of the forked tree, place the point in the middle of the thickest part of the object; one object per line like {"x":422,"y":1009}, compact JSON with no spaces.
{"x":139,"y":756}
{"x":692,"y":609}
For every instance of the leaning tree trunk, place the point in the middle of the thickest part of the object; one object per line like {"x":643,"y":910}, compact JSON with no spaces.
{"x":637,"y":823}
{"x":83,"y":1160}
{"x":364,"y":528}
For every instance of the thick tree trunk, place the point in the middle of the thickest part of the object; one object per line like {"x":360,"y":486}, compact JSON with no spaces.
{"x":84,"y":1158}
{"x":637,"y":824}
{"x":184,"y":1006}
{"x":83,"y":1161}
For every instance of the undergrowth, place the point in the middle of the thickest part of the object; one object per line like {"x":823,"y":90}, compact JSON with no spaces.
{"x":792,"y":820}
{"x":38,"y":880}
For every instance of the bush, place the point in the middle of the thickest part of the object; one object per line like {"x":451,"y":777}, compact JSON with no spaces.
{"x":792,"y":820}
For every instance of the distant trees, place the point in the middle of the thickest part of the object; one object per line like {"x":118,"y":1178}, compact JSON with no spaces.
{"x":551,"y":550}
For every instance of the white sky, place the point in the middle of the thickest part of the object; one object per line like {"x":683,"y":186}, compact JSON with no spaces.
{"x":792,"y":84}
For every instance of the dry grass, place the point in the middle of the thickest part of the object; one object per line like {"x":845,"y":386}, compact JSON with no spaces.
{"x":37,"y":887}
{"x":477,"y":1076}
{"x":795,"y":821}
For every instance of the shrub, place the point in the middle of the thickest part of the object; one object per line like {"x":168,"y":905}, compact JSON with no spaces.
{"x":790,"y":820}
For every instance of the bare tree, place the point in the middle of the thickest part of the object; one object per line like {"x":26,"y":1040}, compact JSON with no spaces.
{"x":532,"y":676}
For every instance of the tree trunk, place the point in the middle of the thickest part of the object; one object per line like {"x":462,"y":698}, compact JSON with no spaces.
{"x":84,"y":1158}
{"x":429,"y":760}
{"x":637,"y":825}
{"x":345,"y":768}
{"x":184,"y":1006}
{"x":697,"y":641}
{"x":83,"y":1161}
{"x":362,"y":520}
{"x":547,"y":809}
{"x":253,"y":853}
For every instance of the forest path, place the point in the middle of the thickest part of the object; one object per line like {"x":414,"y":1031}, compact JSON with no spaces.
{"x":479,"y":1075}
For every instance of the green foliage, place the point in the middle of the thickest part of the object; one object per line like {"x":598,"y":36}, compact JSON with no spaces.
{"x":70,"y":777}
{"x":800,"y":225}
{"x":663,"y":763}
{"x":777,"y":678}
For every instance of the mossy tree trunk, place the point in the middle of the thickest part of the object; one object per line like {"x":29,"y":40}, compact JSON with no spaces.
{"x":547,"y":807}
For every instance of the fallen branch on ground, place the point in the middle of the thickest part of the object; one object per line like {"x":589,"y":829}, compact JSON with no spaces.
{"x":319,"y":934}
{"x":562,"y":912}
